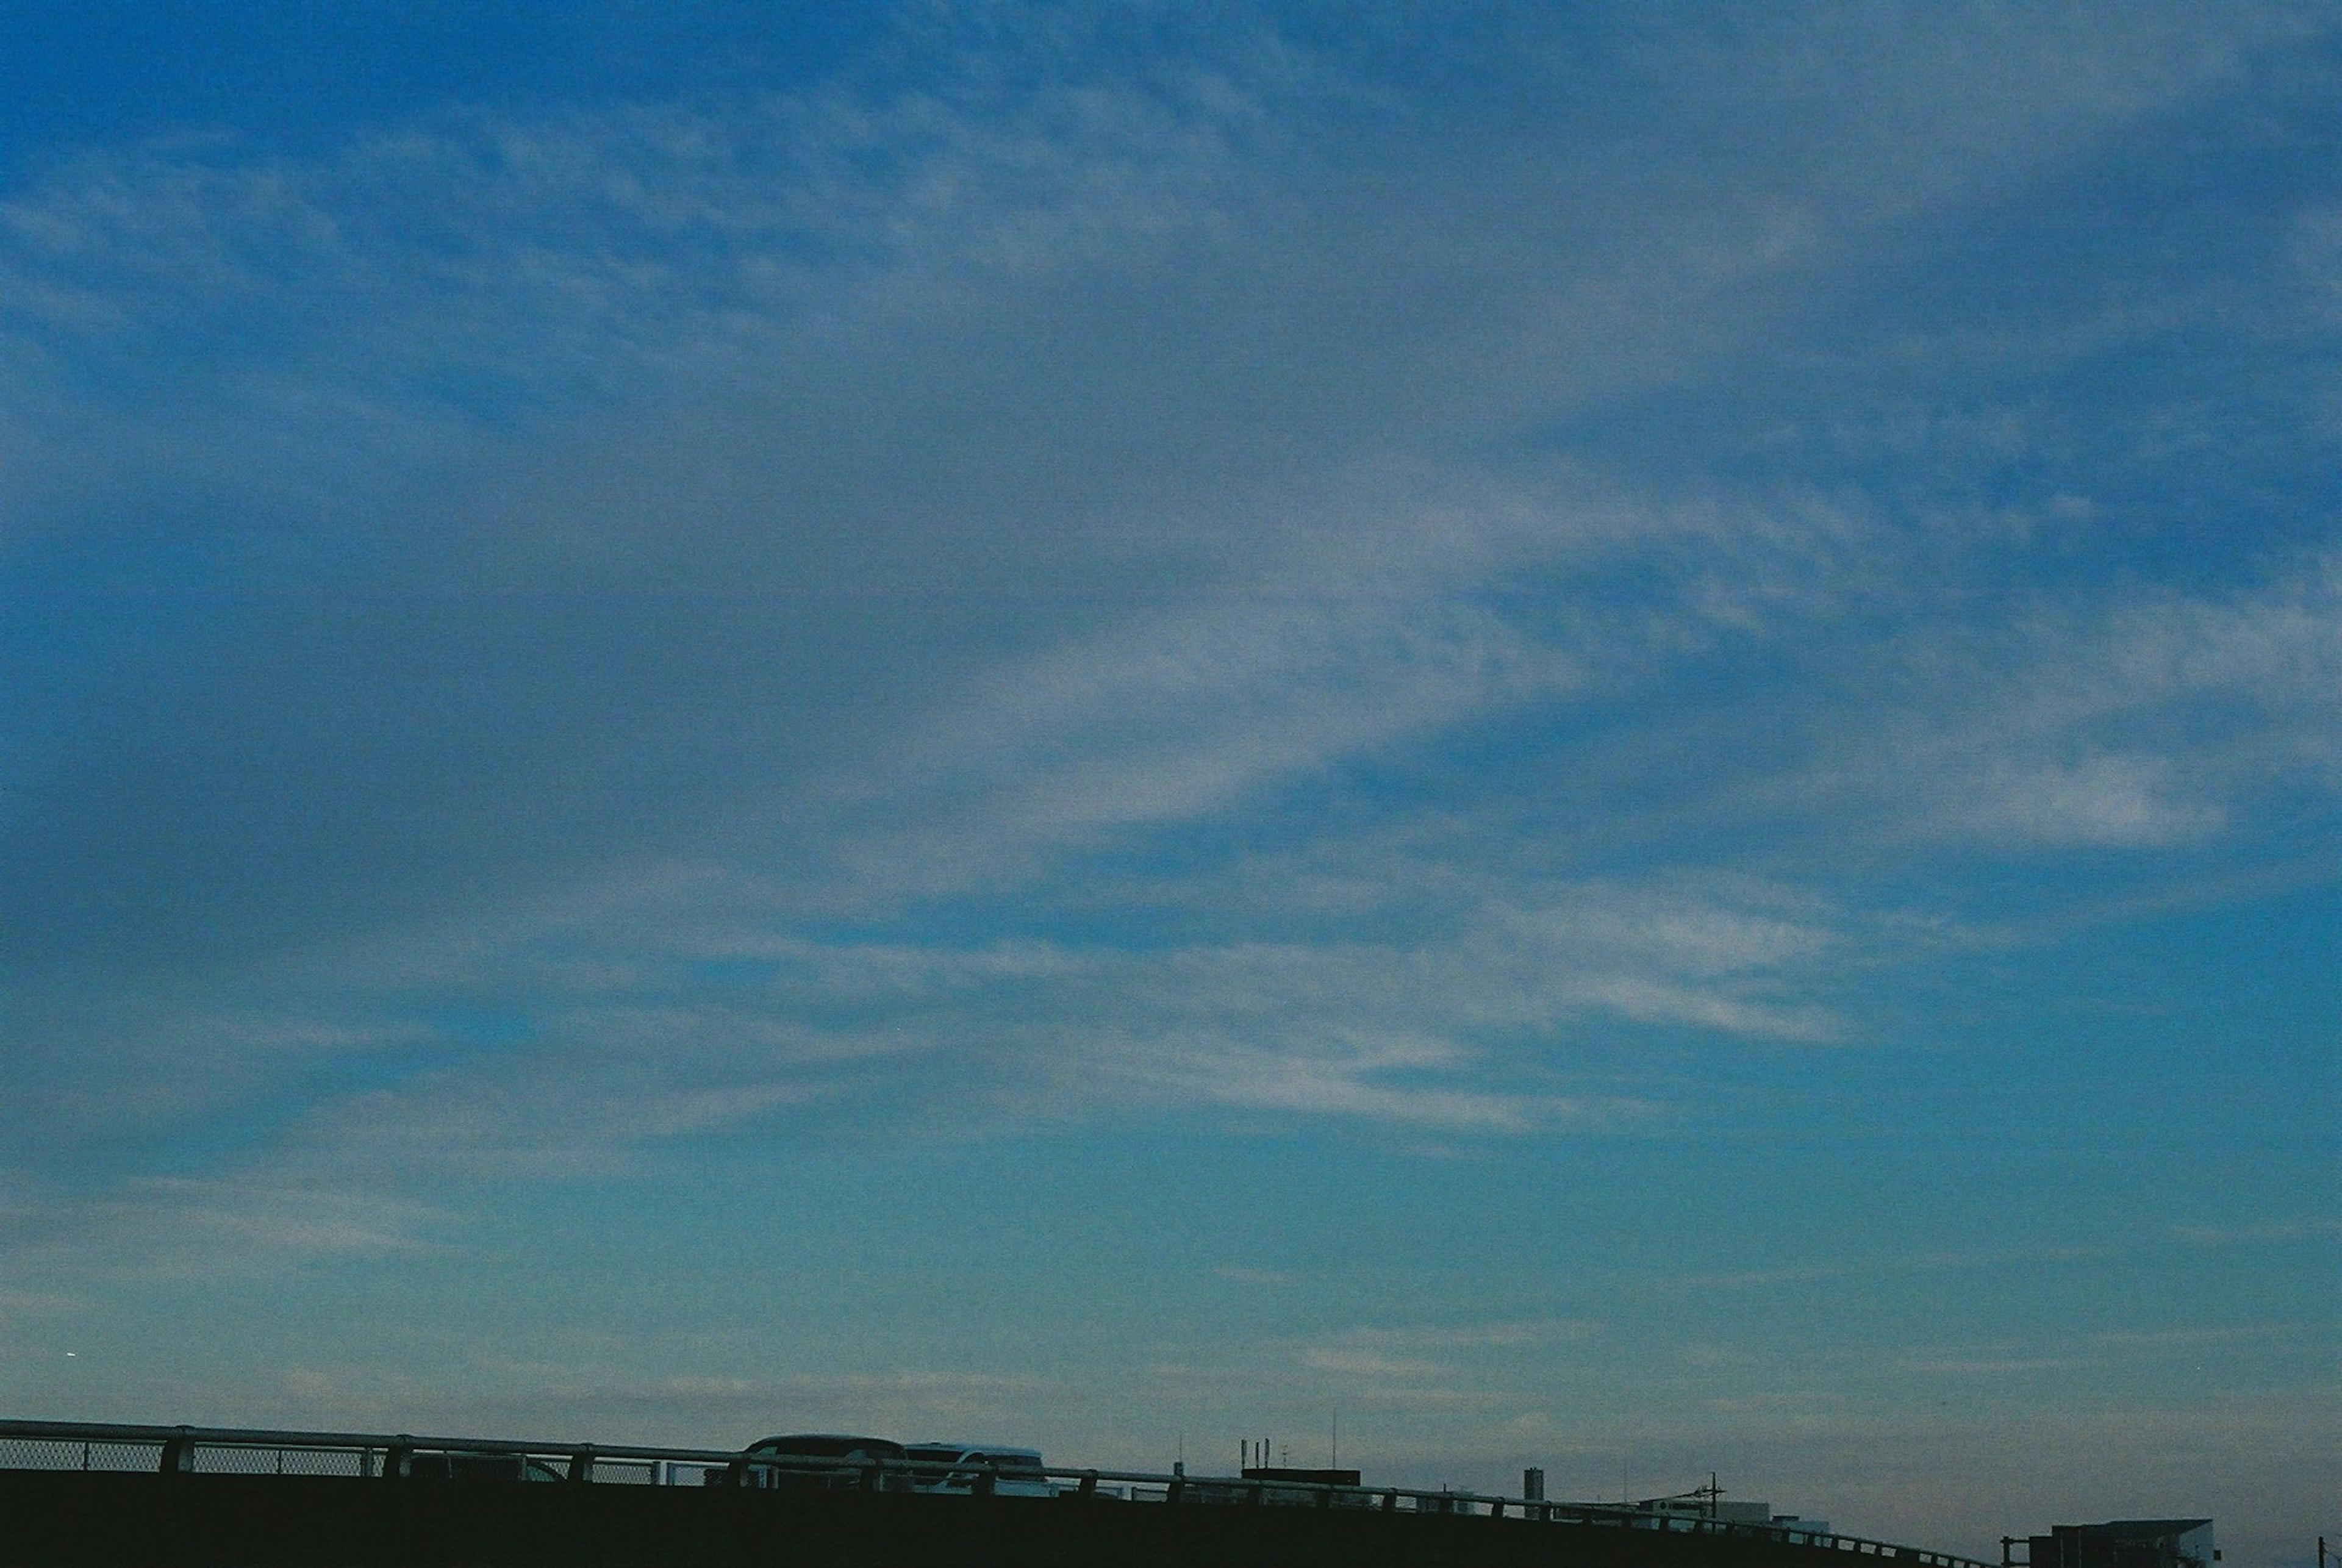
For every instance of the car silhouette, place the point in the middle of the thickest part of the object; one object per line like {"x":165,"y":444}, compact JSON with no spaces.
{"x":970,"y":1468}
{"x":817,"y":1462}
{"x":458,"y":1466}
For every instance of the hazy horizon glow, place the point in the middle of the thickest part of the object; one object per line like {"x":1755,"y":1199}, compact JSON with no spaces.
{"x":1611,"y":739}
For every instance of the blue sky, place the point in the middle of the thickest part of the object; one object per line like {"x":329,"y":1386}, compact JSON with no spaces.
{"x":1608,"y":737}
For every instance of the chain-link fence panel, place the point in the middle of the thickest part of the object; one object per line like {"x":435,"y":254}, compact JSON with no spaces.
{"x":55,"y":1453}
{"x":625,"y":1471}
{"x":234,"y":1459}
{"x":208,"y":1459}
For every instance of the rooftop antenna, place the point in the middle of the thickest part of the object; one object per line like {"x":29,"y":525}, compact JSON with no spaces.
{"x":1335,"y":1461}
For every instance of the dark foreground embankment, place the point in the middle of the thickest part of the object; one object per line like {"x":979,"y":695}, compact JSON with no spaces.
{"x":51,"y":1519}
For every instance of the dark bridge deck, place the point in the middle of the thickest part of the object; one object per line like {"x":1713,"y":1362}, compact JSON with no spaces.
{"x":66,"y":1518}
{"x":75,"y":1494}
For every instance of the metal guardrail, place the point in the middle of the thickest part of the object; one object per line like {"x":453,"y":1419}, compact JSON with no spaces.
{"x":235,"y":1451}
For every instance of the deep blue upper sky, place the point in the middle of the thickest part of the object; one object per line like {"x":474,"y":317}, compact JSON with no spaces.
{"x":1612,"y":737}
{"x":301,"y":78}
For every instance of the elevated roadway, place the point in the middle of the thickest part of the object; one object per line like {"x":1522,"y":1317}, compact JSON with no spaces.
{"x":78,"y":1495}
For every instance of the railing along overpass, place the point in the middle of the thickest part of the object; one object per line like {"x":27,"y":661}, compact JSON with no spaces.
{"x":73,"y":1494}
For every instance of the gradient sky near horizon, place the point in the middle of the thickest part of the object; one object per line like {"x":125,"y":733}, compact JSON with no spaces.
{"x":1606,"y":738}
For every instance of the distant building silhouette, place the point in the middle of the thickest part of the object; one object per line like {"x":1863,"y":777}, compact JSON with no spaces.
{"x":2126,"y":1544}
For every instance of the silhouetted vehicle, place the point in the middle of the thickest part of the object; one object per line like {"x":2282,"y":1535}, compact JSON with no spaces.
{"x":1005,"y":1471}
{"x":480,"y":1467}
{"x":817,"y":1462}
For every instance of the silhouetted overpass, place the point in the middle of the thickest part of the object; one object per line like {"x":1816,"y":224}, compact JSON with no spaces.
{"x":75,"y":1494}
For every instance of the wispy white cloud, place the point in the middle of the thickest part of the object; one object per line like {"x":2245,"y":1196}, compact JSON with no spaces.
{"x":1420,"y":1363}
{"x":2148,"y":722}
{"x":1480,"y":1335}
{"x":190,"y":1227}
{"x":1358,"y":1362}
{"x":2301,"y":1230}
{"x":2186,"y":1338}
{"x":1913,"y":1262}
{"x":17,"y":1305}
{"x":800,"y":521}
{"x":1994,"y":1367}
